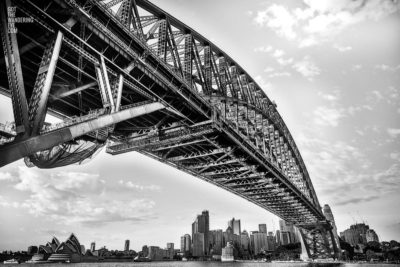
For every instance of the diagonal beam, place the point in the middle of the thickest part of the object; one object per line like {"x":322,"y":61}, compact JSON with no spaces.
{"x":199,"y":155}
{"x":74,"y":91}
{"x":41,"y":89}
{"x":17,"y":150}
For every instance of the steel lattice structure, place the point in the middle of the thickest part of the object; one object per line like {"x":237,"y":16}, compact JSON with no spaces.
{"x":127,"y":73}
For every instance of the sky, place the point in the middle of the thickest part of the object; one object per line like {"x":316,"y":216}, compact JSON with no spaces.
{"x":332,"y":67}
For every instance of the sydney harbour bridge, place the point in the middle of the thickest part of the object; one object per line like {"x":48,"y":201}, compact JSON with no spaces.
{"x":127,"y":75}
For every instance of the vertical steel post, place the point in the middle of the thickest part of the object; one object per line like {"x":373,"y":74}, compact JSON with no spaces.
{"x":119,"y":92}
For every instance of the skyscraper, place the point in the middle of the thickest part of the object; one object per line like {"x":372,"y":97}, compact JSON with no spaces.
{"x":262,"y":228}
{"x":235,"y":225}
{"x":260,"y":242}
{"x":170,"y":251}
{"x":201,"y":225}
{"x":356,"y":234}
{"x":216,"y":241}
{"x":126,"y":245}
{"x":198,"y":245}
{"x":288,"y":233}
{"x":186,"y":244}
{"x":92,"y":247}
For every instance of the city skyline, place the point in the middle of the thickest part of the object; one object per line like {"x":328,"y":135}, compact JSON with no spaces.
{"x":338,"y":97}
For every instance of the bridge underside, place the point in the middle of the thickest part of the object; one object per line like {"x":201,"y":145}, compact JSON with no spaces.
{"x":126,"y":75}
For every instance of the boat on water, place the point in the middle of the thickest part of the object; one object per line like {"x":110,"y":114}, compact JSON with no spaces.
{"x":141,"y":259}
{"x":37,"y":258}
{"x":11,"y":261}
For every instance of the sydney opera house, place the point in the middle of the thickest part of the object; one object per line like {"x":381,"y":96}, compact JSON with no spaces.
{"x":54,"y":251}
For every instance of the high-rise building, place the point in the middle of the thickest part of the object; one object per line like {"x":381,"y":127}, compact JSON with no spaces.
{"x":126,"y":248}
{"x":198,"y":245}
{"x":288,"y":231}
{"x":245,"y":241}
{"x":262,"y":228}
{"x":260,"y":242}
{"x":271,"y":241}
{"x":170,"y":251}
{"x":235,"y":225}
{"x":202,"y":225}
{"x":285,"y":238}
{"x":371,"y":236}
{"x":186,"y":245}
{"x":229,"y":236}
{"x":278,"y":238}
{"x":216,"y":241}
{"x":356,"y":234}
{"x":92,"y":246}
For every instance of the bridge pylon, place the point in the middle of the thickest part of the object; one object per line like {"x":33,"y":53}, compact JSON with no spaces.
{"x":318,"y":241}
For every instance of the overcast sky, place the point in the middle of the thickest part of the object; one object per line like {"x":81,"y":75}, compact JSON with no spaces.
{"x":333,"y":68}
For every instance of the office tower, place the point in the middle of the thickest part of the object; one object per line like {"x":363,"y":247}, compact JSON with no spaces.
{"x":262,"y":228}
{"x":356,"y":234}
{"x":170,"y":251}
{"x":278,"y":238}
{"x":371,"y":236}
{"x":235,"y":225}
{"x":83,"y":249}
{"x":271,"y":241}
{"x":245,"y":241}
{"x":202,"y":225}
{"x":92,"y":247}
{"x":216,"y":241}
{"x":285,"y":238}
{"x":260,"y":242}
{"x":198,"y":245}
{"x":126,"y":245}
{"x":229,"y":236}
{"x":288,"y":231}
{"x":182,"y":244}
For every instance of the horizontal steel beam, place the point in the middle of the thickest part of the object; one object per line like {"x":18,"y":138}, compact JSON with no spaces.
{"x":17,"y":150}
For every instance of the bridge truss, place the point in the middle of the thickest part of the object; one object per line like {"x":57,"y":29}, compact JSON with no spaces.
{"x":126,"y":75}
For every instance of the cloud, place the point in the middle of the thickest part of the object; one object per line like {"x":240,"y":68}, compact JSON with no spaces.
{"x":307,"y":68}
{"x":280,"y":74}
{"x":284,"y":62}
{"x":77,"y":197}
{"x":264,"y":49}
{"x":321,"y":20}
{"x":279,"y":19}
{"x":278,"y":53}
{"x":6,"y":176}
{"x":355,"y":200}
{"x":342,"y":48}
{"x":384,"y":67}
{"x":131,"y":185}
{"x":356,"y":67}
{"x":333,"y":97}
{"x":327,"y":116}
{"x":393,"y":132}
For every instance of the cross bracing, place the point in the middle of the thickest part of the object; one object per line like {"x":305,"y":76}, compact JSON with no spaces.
{"x":212,"y":119}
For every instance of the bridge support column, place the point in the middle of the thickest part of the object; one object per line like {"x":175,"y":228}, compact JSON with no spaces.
{"x":14,"y":72}
{"x":317,"y":242}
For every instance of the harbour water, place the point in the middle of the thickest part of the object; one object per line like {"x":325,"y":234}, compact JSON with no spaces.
{"x":208,"y":264}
